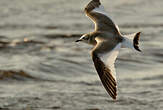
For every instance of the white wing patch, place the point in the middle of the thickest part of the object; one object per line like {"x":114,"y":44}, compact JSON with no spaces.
{"x":117,"y":28}
{"x":109,"y":59}
{"x":101,"y":10}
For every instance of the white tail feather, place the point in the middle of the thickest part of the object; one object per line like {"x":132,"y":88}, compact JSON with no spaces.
{"x":131,"y":41}
{"x":128,"y":41}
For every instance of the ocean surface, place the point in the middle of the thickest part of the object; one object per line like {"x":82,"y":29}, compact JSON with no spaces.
{"x":42,"y":68}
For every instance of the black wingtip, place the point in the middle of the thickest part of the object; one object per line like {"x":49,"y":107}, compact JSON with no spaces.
{"x":91,"y":5}
{"x":96,"y":0}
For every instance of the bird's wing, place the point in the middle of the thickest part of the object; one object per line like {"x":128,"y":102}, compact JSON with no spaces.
{"x":97,"y":14}
{"x":104,"y":64}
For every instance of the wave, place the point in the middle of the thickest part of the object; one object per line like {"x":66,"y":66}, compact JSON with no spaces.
{"x":15,"y":74}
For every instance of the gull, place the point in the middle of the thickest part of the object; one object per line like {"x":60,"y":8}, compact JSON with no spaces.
{"x":107,"y":41}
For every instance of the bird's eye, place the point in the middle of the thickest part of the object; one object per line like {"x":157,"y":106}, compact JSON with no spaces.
{"x":85,"y":38}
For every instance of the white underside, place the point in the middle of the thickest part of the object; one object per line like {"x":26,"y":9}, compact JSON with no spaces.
{"x":101,"y":10}
{"x":109,"y":59}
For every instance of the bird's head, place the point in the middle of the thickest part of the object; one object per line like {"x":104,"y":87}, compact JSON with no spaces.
{"x":84,"y":38}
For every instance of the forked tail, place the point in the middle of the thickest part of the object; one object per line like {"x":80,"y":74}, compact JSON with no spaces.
{"x":131,"y":41}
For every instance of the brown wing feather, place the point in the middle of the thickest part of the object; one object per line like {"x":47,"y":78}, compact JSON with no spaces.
{"x":102,"y":22}
{"x":92,"y":5}
{"x":105,"y":75}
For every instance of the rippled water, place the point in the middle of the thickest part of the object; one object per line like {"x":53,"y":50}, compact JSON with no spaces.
{"x":42,"y":68}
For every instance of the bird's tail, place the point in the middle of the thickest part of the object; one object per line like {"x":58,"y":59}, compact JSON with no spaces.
{"x":131,"y":41}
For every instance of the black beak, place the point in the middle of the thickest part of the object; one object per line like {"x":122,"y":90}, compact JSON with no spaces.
{"x":77,"y":40}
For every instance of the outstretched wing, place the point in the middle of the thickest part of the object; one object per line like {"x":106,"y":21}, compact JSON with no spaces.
{"x":104,"y":64}
{"x":96,"y":12}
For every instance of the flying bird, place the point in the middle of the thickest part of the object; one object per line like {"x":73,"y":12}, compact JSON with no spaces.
{"x":107,"y":41}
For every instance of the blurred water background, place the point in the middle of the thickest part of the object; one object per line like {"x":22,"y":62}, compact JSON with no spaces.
{"x":42,"y":68}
